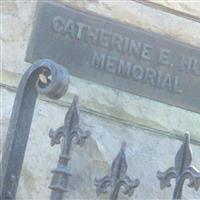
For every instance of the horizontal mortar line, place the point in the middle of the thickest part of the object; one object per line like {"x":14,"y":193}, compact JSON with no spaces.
{"x":109,"y":117}
{"x":8,"y":87}
{"x":128,"y":123}
{"x":169,"y":10}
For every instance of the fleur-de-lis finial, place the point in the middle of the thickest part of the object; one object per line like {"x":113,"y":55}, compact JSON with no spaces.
{"x":117,"y":178}
{"x":183,"y":170}
{"x":69,"y":131}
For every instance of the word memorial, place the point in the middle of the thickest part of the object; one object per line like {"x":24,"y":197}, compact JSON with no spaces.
{"x":117,"y":55}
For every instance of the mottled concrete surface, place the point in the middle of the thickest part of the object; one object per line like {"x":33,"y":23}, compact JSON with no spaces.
{"x":186,"y":7}
{"x":150,"y":128}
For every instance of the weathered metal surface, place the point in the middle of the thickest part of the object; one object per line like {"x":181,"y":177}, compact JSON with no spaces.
{"x":117,"y":178}
{"x":21,"y":118}
{"x":183,"y":170}
{"x":117,"y":55}
{"x":69,"y":131}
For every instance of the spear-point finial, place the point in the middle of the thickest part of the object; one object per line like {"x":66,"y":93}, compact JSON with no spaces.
{"x":123,"y":146}
{"x":117,"y":177}
{"x":182,"y":171}
{"x":68,"y":132}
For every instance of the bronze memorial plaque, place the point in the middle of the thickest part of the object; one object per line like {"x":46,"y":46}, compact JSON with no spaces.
{"x":117,"y":55}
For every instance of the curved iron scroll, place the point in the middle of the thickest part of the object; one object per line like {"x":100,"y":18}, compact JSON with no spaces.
{"x":57,"y":80}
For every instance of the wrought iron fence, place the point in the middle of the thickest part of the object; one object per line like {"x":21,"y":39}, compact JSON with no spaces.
{"x":19,"y":127}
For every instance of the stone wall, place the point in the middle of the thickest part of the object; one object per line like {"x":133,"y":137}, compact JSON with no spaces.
{"x":153,"y":131}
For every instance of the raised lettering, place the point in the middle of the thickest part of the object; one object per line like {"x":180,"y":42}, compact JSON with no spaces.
{"x":58,"y":24}
{"x":186,"y":64}
{"x":135,"y":48}
{"x":116,"y":42}
{"x":104,"y":38}
{"x":81,"y":27}
{"x":146,"y":51}
{"x":98,"y":60}
{"x":92,"y":35}
{"x":177,"y":88}
{"x":167,"y":82}
{"x":164,"y":58}
{"x":137,"y":72}
{"x":190,"y":65}
{"x":111,"y":64}
{"x":126,"y":45}
{"x":70,"y":28}
{"x":159,"y":79}
{"x":150,"y":76}
{"x":124,"y":68}
{"x":196,"y":67}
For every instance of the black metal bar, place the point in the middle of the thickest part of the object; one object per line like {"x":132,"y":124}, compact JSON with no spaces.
{"x":21,"y":118}
{"x":183,"y":170}
{"x":67,"y":132}
{"x":117,"y":178}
